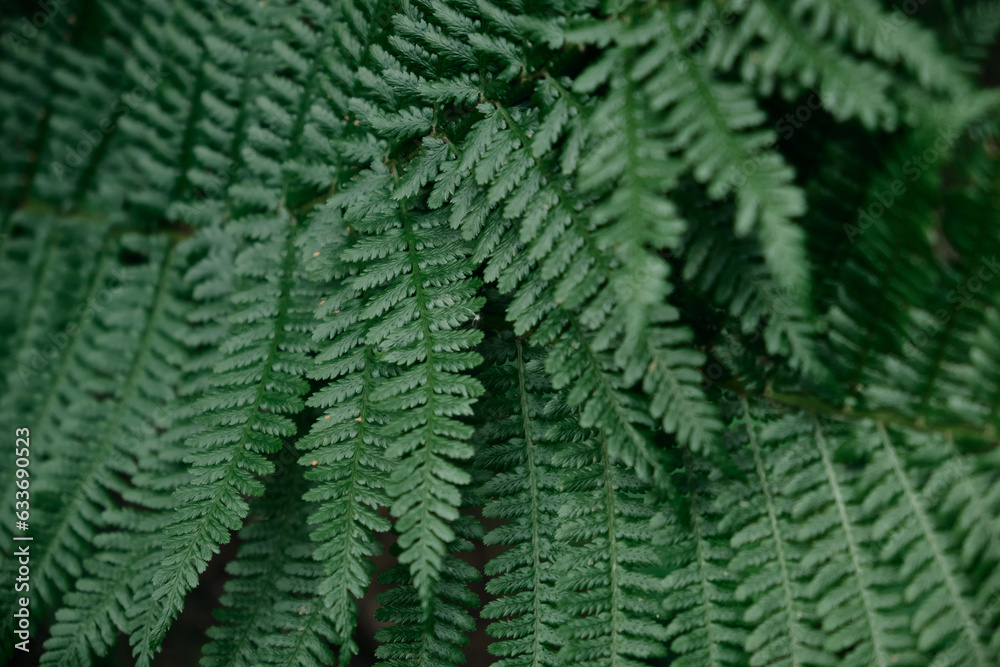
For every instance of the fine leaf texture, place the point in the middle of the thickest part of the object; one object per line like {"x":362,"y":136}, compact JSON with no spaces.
{"x":675,"y":326}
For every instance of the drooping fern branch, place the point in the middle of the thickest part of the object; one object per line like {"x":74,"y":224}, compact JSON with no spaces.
{"x":679,"y":320}
{"x":611,"y":603}
{"x":424,"y":293}
{"x":257,"y":384}
{"x":525,"y":490}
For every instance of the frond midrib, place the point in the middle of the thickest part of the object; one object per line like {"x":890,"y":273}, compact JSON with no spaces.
{"x":930,"y":536}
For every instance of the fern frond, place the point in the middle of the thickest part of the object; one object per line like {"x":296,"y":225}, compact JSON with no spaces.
{"x":890,"y":36}
{"x":124,"y":463}
{"x":168,"y":65}
{"x":935,"y":372}
{"x":899,"y":510}
{"x":423,"y":635}
{"x":706,"y":622}
{"x":498,"y":149}
{"x":116,"y":585}
{"x":258,"y":384}
{"x":732,"y":272}
{"x":121,"y":359}
{"x":712,"y":122}
{"x":857,"y":599}
{"x":886,"y":257}
{"x":311,"y":271}
{"x":31,"y":59}
{"x":52,"y":320}
{"x":208,"y":280}
{"x":271,"y":572}
{"x":260,"y":380}
{"x":785,"y":49}
{"x":975,"y":386}
{"x":961,"y":490}
{"x":611,"y":602}
{"x":525,"y":491}
{"x":767,"y":562}
{"x":566,"y":309}
{"x":419,"y":292}
{"x":346,"y":459}
{"x":92,"y":91}
{"x":635,"y":223}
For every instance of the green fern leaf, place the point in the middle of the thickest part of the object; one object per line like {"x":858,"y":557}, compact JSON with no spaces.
{"x":610,"y":599}
{"x":524,"y":490}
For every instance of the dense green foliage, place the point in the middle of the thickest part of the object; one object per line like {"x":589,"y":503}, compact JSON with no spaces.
{"x":690,"y":308}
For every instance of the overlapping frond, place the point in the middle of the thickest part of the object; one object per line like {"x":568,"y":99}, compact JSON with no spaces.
{"x":345,"y":452}
{"x":706,"y":620}
{"x":256,"y":387}
{"x":267,"y":616}
{"x":423,"y":635}
{"x":767,"y":561}
{"x":524,"y":490}
{"x":898,"y":504}
{"x":857,"y":598}
{"x":733,"y":273}
{"x":693,"y":305}
{"x":417,"y":273}
{"x":70,"y":268}
{"x":610,"y":598}
{"x":75,"y":497}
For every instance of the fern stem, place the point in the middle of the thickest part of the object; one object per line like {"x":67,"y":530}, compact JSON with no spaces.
{"x":772,"y":515}
{"x":883,"y":659}
{"x":699,"y":537}
{"x":849,"y":414}
{"x":536,"y":561}
{"x":609,"y":500}
{"x":930,"y":535}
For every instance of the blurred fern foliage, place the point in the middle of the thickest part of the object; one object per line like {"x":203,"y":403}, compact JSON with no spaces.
{"x":689,"y":310}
